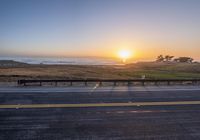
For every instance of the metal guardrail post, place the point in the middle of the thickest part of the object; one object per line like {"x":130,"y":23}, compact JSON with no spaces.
{"x":143,"y":83}
{"x":194,"y":82}
{"x":100,"y":83}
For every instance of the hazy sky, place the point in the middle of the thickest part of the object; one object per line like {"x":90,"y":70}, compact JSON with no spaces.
{"x":100,"y":27}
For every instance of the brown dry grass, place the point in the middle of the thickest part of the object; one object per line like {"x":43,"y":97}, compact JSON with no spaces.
{"x":151,"y":70}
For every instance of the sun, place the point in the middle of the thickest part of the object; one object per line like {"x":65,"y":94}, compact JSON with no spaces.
{"x":124,"y":55}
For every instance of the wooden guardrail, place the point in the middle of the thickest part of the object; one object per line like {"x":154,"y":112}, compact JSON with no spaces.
{"x":114,"y":81}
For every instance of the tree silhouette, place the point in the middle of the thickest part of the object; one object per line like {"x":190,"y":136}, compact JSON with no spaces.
{"x":184,"y":59}
{"x":168,"y":58}
{"x":160,"y":58}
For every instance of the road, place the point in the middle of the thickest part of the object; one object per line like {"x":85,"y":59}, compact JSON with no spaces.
{"x":100,"y":113}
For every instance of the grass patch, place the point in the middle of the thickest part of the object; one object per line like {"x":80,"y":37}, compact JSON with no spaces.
{"x":132,"y":71}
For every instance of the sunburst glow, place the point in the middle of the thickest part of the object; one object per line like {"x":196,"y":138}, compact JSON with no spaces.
{"x":124,"y":55}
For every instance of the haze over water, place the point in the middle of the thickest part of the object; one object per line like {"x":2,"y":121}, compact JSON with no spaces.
{"x":64,"y":61}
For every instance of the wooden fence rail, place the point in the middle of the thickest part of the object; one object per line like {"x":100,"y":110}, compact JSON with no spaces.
{"x":114,"y":81}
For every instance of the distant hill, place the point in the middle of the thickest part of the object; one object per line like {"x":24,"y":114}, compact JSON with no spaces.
{"x":11,"y":63}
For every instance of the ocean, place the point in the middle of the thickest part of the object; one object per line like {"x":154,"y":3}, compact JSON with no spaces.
{"x":64,"y":61}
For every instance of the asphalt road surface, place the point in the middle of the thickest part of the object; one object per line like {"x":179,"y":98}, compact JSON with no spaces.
{"x":100,"y":113}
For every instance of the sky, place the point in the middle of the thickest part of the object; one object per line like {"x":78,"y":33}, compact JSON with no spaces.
{"x":100,"y":28}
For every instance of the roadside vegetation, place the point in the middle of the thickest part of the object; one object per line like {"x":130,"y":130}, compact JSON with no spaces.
{"x":13,"y":71}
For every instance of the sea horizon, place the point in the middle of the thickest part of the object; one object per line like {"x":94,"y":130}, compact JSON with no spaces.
{"x":64,"y":60}
{"x":72,"y":60}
